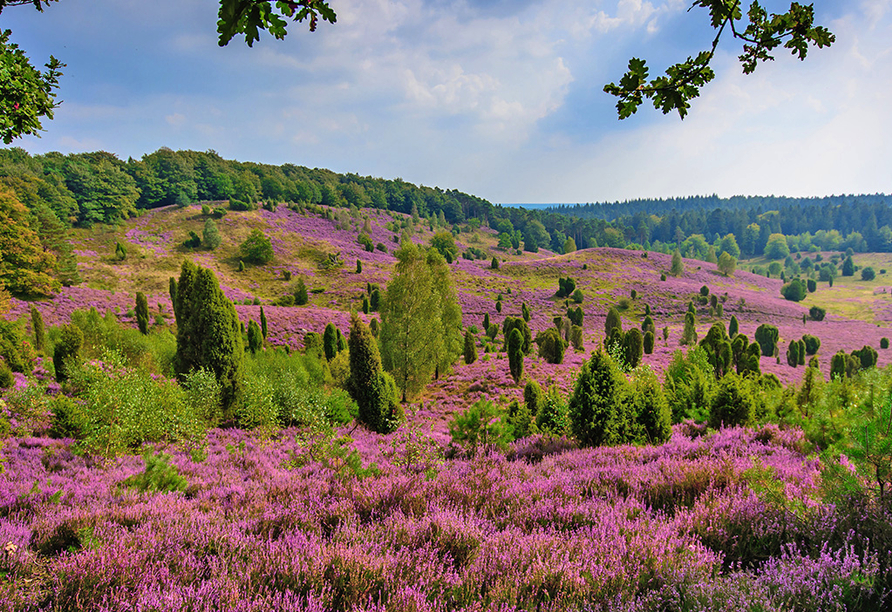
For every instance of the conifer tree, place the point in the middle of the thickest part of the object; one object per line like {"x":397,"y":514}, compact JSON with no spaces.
{"x":677,"y":268}
{"x":142,"y":313}
{"x":300,"y":293}
{"x":172,"y":291}
{"x":263,"y":323}
{"x":373,"y":390}
{"x":689,"y":335}
{"x":470,"y":348}
{"x":208,"y":331}
{"x":67,"y":350}
{"x":255,"y":337}
{"x":39,"y":329}
{"x":633,"y":347}
{"x":613,"y":322}
{"x":330,"y":341}
{"x":733,"y":326}
{"x":515,"y":354}
{"x":597,"y":405}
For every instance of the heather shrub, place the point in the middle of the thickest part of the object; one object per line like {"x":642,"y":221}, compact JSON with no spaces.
{"x":159,"y":476}
{"x":483,"y":425}
{"x":28,"y":411}
{"x":732,"y":404}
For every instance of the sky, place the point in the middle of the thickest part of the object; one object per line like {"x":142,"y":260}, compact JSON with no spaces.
{"x":499,"y":98}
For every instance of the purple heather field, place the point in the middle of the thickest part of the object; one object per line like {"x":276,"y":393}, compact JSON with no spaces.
{"x":737,"y":519}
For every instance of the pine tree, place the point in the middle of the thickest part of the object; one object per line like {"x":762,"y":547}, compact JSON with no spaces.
{"x":208,"y":331}
{"x":142,"y":313}
{"x":300,"y":293}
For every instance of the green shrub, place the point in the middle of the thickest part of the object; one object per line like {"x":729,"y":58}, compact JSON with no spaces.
{"x":551,"y":345}
{"x":67,"y":350}
{"x":553,"y":416}
{"x":576,"y":337}
{"x":480,"y":427}
{"x":566,"y":287}
{"x":470,"y":348}
{"x":257,"y":248}
{"x":648,"y":342}
{"x":38,"y":328}
{"x":795,"y":290}
{"x":123,"y":408}
{"x":515,"y":354}
{"x":142,"y":312}
{"x":633,"y":347}
{"x":793,"y":354}
{"x":689,"y":334}
{"x":159,"y":476}
{"x":495,"y":263}
{"x":300,"y":292}
{"x":884,"y":343}
{"x":193,"y":241}
{"x":767,"y":335}
{"x":812,"y":344}
{"x":598,"y":411}
{"x":578,"y":296}
{"x":868,"y":274}
{"x":816,"y":313}
{"x":733,"y":404}
{"x":650,"y":408}
{"x":211,"y":235}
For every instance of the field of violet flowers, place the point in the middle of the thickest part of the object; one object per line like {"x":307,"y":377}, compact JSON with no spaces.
{"x":345,"y":519}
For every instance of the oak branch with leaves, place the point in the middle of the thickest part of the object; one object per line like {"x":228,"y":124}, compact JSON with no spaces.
{"x":761,"y":34}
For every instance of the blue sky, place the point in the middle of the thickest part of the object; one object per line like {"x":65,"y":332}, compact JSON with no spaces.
{"x":499,"y":98}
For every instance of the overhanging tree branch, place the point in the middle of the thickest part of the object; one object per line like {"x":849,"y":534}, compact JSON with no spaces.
{"x":683,"y":81}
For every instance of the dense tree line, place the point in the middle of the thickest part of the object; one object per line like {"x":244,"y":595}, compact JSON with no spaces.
{"x":863,"y":222}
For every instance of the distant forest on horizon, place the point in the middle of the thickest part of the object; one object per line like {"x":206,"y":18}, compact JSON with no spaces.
{"x":61,"y":191}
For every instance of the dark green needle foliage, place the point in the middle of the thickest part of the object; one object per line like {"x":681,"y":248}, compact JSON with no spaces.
{"x":142,"y":312}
